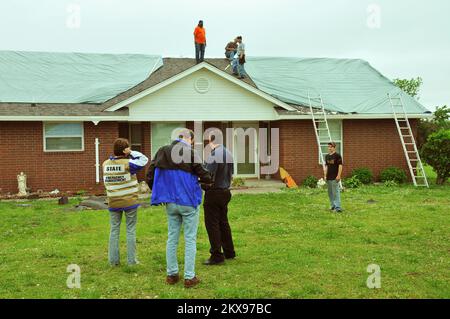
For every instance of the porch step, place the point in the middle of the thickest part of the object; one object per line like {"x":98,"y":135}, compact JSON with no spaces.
{"x":263,"y":183}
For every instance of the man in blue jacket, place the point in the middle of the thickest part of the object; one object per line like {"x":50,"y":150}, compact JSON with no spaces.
{"x":174,"y":177}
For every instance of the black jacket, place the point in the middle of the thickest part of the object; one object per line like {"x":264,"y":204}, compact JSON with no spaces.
{"x":163,"y":160}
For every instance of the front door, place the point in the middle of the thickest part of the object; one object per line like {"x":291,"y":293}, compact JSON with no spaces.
{"x":245,"y":150}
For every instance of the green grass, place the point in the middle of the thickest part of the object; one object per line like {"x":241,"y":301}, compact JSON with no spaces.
{"x":288,"y":245}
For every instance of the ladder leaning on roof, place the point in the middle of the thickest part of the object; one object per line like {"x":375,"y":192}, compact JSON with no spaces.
{"x":323,"y":135}
{"x":408,"y":143}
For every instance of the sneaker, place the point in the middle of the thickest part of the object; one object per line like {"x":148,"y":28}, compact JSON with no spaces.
{"x":338,"y":210}
{"x":172,"y":280}
{"x":189,"y":283}
{"x":332,"y":208}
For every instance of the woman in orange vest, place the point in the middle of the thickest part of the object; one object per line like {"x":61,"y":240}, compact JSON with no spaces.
{"x":200,"y":42}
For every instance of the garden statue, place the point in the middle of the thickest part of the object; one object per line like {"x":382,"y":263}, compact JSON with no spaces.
{"x":22,"y":181}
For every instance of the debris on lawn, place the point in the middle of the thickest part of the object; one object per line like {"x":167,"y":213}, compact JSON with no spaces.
{"x":23,"y":205}
{"x":94,"y":203}
{"x":63,"y":200}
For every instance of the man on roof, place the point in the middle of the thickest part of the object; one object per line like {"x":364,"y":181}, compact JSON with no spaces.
{"x":230,"y":49}
{"x":200,"y":42}
{"x":239,"y":59}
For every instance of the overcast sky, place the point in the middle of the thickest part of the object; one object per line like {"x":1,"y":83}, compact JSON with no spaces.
{"x":401,"y":38}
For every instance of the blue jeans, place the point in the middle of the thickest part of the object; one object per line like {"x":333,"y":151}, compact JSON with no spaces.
{"x":238,"y":69}
{"x":116,"y":219}
{"x":176,"y":216}
{"x":199,"y":52}
{"x":334,"y":193}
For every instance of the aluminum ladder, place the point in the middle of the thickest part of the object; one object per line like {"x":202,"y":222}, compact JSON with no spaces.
{"x":323,"y":135}
{"x":408,"y":142}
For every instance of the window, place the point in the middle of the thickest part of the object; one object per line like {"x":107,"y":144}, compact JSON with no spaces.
{"x":163,"y":134}
{"x":136,"y":137}
{"x":335,"y":127}
{"x":63,"y":137}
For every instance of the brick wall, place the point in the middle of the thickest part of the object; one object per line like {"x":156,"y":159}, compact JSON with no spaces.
{"x":374,"y":144}
{"x":22,"y":145}
{"x":367,"y":143}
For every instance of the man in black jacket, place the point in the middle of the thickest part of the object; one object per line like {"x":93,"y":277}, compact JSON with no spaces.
{"x":217,"y":197}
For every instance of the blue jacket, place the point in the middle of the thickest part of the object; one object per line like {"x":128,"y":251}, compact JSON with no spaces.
{"x":177,"y":182}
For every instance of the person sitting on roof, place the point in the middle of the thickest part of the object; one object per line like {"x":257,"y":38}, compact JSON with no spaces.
{"x":230,"y":49}
{"x":239,"y":59}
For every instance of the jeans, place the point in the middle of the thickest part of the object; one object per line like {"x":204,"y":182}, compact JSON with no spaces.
{"x":217,"y":226}
{"x":199,"y":52}
{"x":238,"y":69}
{"x":188,"y":216}
{"x":229,"y":55}
{"x":115,"y":220}
{"x":334,"y":193}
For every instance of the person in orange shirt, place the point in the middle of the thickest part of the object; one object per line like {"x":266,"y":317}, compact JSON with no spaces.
{"x":200,"y":42}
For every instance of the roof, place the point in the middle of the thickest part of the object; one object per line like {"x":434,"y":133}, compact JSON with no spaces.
{"x":49,"y":77}
{"x":347,"y":86}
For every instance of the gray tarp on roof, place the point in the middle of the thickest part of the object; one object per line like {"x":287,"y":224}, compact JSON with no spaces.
{"x":345,"y":85}
{"x":44,"y":77}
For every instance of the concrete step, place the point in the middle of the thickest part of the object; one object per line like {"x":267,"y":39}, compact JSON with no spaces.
{"x":264,"y":183}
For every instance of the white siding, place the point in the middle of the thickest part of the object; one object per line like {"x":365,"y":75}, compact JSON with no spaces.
{"x":180,"y":101}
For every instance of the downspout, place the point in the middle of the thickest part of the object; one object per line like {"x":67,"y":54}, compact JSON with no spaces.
{"x":97,"y":157}
{"x":97,"y":161}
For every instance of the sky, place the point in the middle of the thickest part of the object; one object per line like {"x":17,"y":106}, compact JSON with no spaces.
{"x":401,"y":38}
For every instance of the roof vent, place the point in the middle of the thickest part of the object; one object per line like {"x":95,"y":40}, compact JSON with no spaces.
{"x":202,"y":85}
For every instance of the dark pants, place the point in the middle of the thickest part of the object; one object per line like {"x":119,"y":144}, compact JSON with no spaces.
{"x":217,"y":226}
{"x":199,"y":52}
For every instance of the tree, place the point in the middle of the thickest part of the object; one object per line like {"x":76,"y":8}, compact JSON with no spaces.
{"x":412,"y":86}
{"x":436,"y":153}
{"x":440,"y":120}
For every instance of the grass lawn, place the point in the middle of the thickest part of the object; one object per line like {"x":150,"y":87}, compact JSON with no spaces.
{"x":288,"y":244}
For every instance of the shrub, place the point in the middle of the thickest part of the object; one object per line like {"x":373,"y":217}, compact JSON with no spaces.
{"x":352,"y":182}
{"x":310,"y":181}
{"x":237,"y":182}
{"x":390,"y":184}
{"x":436,"y":153}
{"x":364,"y":175}
{"x":393,"y":174}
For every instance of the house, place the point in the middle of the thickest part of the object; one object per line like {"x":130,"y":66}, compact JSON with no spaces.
{"x":61,"y":112}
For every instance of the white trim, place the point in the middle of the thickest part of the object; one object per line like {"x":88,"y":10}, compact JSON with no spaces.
{"x":129,"y":119}
{"x":64,"y":118}
{"x":191,"y":70}
{"x":254,"y":125}
{"x":97,"y":161}
{"x":350,"y":116}
{"x":44,"y":138}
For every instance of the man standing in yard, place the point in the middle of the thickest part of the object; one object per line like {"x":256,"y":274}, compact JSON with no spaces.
{"x":200,"y":42}
{"x":217,"y":197}
{"x":239,"y":59}
{"x":174,"y":179}
{"x":119,"y":175}
{"x":332,"y":174}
